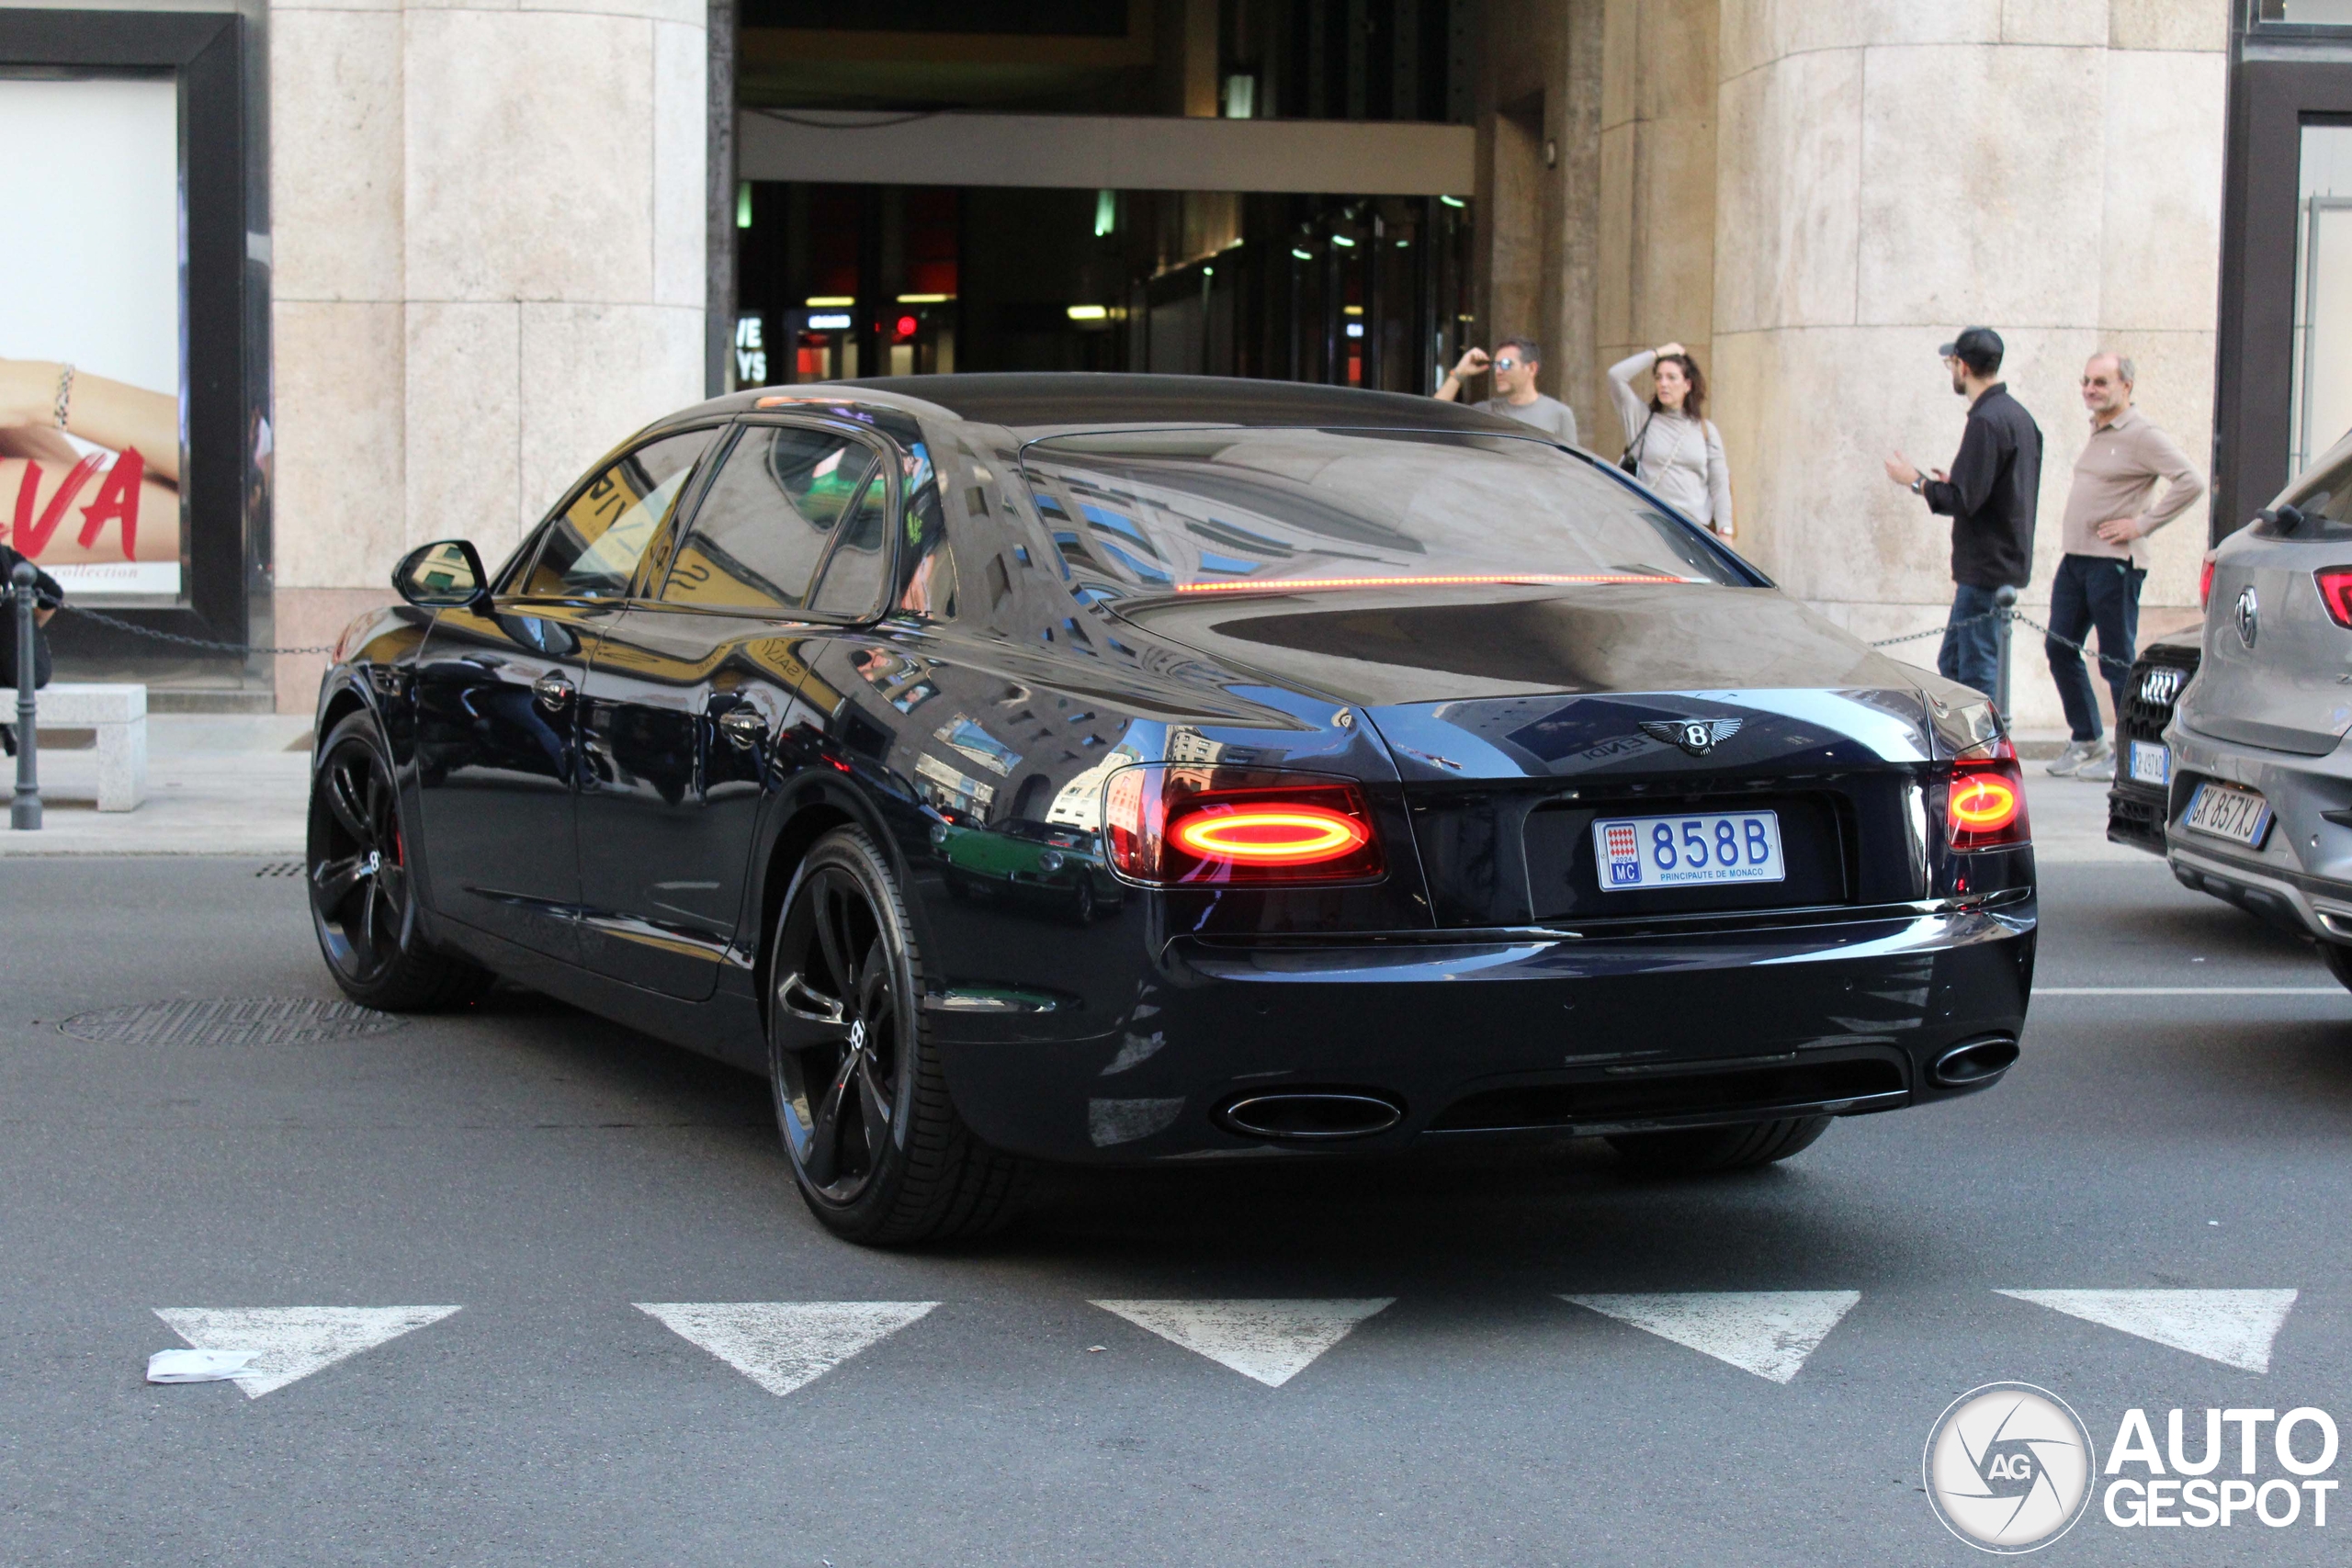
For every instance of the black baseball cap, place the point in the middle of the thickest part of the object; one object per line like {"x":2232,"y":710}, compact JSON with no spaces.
{"x":1979,"y":348}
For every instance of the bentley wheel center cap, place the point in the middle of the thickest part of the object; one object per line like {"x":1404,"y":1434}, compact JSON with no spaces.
{"x":857,"y":1035}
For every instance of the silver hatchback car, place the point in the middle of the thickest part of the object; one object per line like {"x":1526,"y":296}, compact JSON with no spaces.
{"x":2260,"y":810}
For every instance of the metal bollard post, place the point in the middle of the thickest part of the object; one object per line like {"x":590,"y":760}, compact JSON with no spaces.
{"x":2004,"y":599}
{"x":24,"y":811}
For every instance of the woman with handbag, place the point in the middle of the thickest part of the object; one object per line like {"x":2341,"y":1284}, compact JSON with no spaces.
{"x":1670,"y":444}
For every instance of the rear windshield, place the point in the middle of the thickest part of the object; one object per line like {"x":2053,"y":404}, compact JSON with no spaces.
{"x":1226,"y":510}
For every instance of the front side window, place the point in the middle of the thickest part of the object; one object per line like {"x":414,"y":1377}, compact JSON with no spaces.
{"x":764,"y":528}
{"x":590,"y":551}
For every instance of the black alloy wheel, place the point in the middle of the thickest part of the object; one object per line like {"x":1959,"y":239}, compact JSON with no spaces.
{"x":879,"y":1154}
{"x":358,"y":879}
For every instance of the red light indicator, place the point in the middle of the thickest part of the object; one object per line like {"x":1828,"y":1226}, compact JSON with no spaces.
{"x":2336,"y":592}
{"x":1285,"y":835}
{"x":1983,"y":802}
{"x":907,"y":326}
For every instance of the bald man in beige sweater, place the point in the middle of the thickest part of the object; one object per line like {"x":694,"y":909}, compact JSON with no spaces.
{"x":2110,"y":511}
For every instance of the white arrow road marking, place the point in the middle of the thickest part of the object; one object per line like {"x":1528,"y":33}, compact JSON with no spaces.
{"x":1768,"y":1333}
{"x":783,"y":1346}
{"x":294,"y":1342}
{"x":1272,"y":1341}
{"x":2233,"y":1327}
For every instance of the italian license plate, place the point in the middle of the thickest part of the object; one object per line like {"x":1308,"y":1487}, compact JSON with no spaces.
{"x":1698,"y":849}
{"x":2150,"y":763}
{"x":2228,"y":812}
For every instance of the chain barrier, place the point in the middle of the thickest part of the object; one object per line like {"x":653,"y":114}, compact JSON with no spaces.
{"x":2104,"y":661}
{"x":178,"y":641}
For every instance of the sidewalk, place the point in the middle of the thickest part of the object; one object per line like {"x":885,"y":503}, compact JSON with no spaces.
{"x":240,"y":785}
{"x":217,"y":784}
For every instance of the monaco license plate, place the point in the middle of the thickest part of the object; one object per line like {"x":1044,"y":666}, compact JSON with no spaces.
{"x":1696,"y":849}
{"x":2150,"y":763}
{"x":2228,"y":812}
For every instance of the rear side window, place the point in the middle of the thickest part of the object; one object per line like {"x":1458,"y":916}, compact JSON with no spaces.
{"x":852,"y":585}
{"x":763,"y":530}
{"x":591,"y":551}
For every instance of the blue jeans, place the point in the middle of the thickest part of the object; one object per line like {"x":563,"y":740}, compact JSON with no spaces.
{"x":2093,"y":590}
{"x":1971,"y":655}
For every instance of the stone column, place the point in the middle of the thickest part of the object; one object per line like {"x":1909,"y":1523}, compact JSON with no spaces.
{"x":1888,"y":172}
{"x":1656,"y":278}
{"x":489,"y":242}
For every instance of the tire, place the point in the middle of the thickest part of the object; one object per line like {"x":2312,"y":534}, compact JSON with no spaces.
{"x":1705,"y":1150}
{"x":876,"y":1149}
{"x":356,"y":867}
{"x":2338,"y":960}
{"x":1082,"y":905}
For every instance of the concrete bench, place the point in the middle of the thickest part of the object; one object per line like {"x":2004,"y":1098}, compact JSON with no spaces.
{"x":119,"y":715}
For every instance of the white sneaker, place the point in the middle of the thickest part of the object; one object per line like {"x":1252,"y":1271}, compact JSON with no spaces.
{"x":2069,"y":763}
{"x":2099,"y":769}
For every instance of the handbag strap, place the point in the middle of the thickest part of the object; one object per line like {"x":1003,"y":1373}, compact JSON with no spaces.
{"x":1633,"y":447}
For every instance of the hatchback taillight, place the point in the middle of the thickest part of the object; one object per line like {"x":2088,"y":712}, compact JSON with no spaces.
{"x":2336,"y":592}
{"x":1983,"y":802}
{"x":2205,"y":583}
{"x":1182,"y":826}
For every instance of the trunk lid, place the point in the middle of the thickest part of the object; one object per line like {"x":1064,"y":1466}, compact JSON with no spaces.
{"x":1505,"y":795}
{"x":2276,"y":671}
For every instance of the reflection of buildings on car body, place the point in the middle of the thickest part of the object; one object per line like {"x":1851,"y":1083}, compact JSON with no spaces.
{"x":991,"y":186}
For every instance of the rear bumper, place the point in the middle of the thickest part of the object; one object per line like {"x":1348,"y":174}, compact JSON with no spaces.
{"x":2300,"y":877}
{"x":1484,"y":1035}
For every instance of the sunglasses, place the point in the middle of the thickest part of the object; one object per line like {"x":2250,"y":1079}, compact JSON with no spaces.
{"x":1507,"y":363}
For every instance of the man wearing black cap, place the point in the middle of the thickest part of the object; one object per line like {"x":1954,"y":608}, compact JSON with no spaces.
{"x":1990,"y":497}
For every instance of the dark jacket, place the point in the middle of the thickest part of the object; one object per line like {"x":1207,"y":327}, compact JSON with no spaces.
{"x":1994,"y":487}
{"x":48,"y":595}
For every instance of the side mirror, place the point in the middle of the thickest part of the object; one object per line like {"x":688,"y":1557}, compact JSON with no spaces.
{"x":448,"y":575}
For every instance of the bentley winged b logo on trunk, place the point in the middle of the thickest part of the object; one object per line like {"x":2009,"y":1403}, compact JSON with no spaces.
{"x":1696,"y":736}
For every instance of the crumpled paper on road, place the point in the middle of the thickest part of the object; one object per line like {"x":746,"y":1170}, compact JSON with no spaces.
{"x":196,"y":1366}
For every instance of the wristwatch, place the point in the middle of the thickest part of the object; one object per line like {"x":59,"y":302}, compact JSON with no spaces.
{"x":1919,"y":485}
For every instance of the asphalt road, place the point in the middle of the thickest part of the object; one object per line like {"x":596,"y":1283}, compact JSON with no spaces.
{"x":542,"y":1171}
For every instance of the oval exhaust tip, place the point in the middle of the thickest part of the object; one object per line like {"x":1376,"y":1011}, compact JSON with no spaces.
{"x":1319,"y":1115}
{"x":1977,"y":1062}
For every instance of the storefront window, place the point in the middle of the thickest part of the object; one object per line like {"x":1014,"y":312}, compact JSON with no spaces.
{"x":2304,"y":13}
{"x":2322,"y":352}
{"x":90,"y":339}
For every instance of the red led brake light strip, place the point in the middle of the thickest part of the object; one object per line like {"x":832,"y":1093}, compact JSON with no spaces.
{"x":1288,"y":584}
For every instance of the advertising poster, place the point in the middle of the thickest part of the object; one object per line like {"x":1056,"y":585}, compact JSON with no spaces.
{"x":91,"y":371}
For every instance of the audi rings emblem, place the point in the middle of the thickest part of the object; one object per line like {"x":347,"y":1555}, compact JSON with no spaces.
{"x":2160,"y":686}
{"x":2247,"y":617}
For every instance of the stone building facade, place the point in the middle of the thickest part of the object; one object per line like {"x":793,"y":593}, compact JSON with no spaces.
{"x":488,"y":252}
{"x":1812,"y":194}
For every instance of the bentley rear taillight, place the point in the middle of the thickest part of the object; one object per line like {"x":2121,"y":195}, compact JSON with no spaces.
{"x":1179,"y":826}
{"x":1983,"y":801}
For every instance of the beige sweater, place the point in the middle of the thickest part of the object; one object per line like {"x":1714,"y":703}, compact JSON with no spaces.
{"x":2116,"y":477}
{"x":1679,"y":458}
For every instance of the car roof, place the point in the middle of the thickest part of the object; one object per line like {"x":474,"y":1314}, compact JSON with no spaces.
{"x":1037,"y":402}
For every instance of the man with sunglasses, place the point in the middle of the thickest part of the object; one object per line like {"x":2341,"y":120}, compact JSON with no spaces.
{"x":1515,"y":362}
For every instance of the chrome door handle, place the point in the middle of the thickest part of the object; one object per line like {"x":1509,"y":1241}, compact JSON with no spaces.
{"x":553,"y":691}
{"x":743,"y":728}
